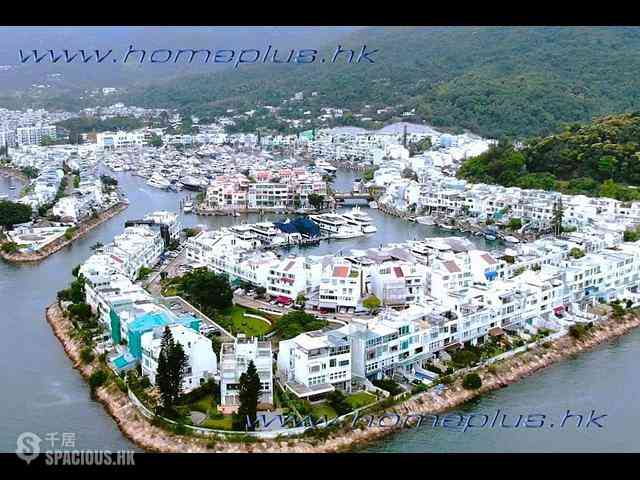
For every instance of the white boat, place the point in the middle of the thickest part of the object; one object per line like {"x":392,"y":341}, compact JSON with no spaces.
{"x":188,"y":206}
{"x":336,"y":226}
{"x":373,"y":205}
{"x":425,"y":220}
{"x":511,"y":239}
{"x":158,"y":181}
{"x":326,"y":166}
{"x":360,"y":220}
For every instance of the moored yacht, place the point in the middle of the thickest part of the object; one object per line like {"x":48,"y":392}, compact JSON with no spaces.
{"x":336,"y":226}
{"x":158,"y":181}
{"x":359,"y":219}
{"x":326,"y":166}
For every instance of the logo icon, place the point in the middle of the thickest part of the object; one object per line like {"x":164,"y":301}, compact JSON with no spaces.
{"x":28,"y":446}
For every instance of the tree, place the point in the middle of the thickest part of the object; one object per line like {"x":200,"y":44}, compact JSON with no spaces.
{"x":472,"y":381}
{"x":575,"y":252}
{"x":155,"y":140}
{"x":316,"y":201}
{"x":556,"y":221}
{"x":249,"y":394}
{"x":30,"y":172}
{"x":9,"y":247}
{"x":13,"y":213}
{"x":371,"y":303}
{"x":207,"y":289}
{"x":514,"y":224}
{"x":177,"y":363}
{"x":301,"y":299}
{"x":81,"y":312}
{"x":631,"y":235}
{"x":162,"y":373}
{"x":172,"y":364}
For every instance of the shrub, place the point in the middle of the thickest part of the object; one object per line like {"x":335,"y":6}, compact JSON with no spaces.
{"x":121,"y":385}
{"x":338,"y":401}
{"x":86,"y":355}
{"x":389,"y":385}
{"x":97,"y":379}
{"x":472,"y":381}
{"x":579,"y":331}
{"x":465,"y":358}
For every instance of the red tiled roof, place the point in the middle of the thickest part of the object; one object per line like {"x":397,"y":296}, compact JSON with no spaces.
{"x":398,"y":272}
{"x":340,"y":271}
{"x":451,"y":266}
{"x":488,"y":258}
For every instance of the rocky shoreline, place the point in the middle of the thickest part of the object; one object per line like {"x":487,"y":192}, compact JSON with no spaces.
{"x":83,"y":228}
{"x":15,"y":173}
{"x":501,"y":374}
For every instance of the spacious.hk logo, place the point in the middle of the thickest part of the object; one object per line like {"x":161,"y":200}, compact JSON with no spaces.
{"x":60,"y":449}
{"x":28,"y":446}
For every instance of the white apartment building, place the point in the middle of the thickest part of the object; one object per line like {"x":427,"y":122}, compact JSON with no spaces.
{"x":32,"y":135}
{"x":120,"y":140}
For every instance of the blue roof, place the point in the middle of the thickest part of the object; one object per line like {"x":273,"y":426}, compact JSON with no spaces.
{"x":149,"y":321}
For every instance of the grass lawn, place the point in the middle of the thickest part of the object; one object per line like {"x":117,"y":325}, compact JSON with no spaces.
{"x":207,"y":405}
{"x":169,"y":291}
{"x":224,"y":423}
{"x":322,"y":409}
{"x":203,"y":405}
{"x":360,"y":399}
{"x":252,"y":327}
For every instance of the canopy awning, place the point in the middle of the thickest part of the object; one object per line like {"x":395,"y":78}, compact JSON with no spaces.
{"x":284,"y":300}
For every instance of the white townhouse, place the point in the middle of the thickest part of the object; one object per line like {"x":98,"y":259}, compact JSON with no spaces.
{"x":201,"y":359}
{"x":390,"y":343}
{"x":287,"y":278}
{"x":315,"y":363}
{"x":135,"y":248}
{"x":340,"y":287}
{"x":398,"y":282}
{"x":234,"y":361}
{"x":170,"y":219}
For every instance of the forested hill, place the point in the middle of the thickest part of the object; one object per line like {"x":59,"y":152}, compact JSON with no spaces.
{"x":495,"y":81}
{"x":601,"y":158}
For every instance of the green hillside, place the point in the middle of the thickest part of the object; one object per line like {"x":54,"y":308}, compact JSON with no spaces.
{"x":600,"y":158}
{"x":495,"y":81}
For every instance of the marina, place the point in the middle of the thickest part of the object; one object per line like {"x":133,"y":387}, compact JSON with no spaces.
{"x":66,"y":396}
